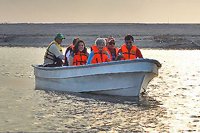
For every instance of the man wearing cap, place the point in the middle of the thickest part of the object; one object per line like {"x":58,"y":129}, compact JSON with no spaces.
{"x":54,"y":56}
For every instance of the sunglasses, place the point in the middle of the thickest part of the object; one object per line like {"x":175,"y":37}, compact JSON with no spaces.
{"x":129,"y":42}
{"x":111,"y":43}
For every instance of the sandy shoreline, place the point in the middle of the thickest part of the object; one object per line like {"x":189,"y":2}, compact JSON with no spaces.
{"x":165,"y":36}
{"x":154,"y":42}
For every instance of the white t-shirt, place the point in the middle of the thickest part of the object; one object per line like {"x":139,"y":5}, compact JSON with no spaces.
{"x":68,"y":55}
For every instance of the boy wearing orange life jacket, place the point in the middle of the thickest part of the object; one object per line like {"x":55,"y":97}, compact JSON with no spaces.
{"x":128,"y":51}
{"x":98,"y":54}
{"x":79,"y":55}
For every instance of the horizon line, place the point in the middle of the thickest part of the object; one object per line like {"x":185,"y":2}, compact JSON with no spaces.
{"x":93,"y":23}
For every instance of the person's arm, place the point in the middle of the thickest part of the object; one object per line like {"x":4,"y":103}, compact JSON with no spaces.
{"x":62,"y":57}
{"x":53,"y":49}
{"x":119,"y":55}
{"x":109,"y":58}
{"x":138,"y":53}
{"x":108,"y":55}
{"x":71,"y":58}
{"x":91,"y":55}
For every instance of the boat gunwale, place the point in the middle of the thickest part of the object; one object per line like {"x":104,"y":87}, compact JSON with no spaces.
{"x":99,"y":65}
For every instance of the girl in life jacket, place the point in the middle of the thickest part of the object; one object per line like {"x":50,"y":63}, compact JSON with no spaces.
{"x":98,"y":53}
{"x":79,"y":54}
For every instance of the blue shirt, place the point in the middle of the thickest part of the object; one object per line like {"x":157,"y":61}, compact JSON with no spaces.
{"x":91,"y":55}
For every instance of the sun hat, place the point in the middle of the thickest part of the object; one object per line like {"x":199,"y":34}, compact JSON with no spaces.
{"x":60,"y":36}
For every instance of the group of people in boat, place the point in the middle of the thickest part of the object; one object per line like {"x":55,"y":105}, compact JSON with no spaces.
{"x":104,"y":50}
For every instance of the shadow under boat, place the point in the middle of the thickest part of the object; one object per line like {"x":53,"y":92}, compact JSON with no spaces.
{"x":143,"y":100}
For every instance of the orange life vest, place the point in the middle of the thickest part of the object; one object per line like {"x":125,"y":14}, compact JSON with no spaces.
{"x":99,"y":57}
{"x":128,"y":54}
{"x":94,"y":46}
{"x":116,"y":51}
{"x":80,"y":58}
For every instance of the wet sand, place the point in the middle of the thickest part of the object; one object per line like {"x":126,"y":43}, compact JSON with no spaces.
{"x":166,"y":36}
{"x":171,"y":103}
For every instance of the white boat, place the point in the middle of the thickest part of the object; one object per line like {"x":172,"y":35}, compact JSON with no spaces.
{"x":123,"y":78}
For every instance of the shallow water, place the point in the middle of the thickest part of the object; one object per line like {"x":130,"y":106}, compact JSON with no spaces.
{"x":171,"y":103}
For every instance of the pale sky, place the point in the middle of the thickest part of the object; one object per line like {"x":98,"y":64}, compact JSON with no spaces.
{"x":99,"y":11}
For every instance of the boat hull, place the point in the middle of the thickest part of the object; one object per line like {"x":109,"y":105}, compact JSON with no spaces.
{"x":124,"y":78}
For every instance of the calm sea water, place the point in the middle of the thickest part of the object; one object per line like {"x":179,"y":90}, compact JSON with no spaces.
{"x":171,"y":103}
